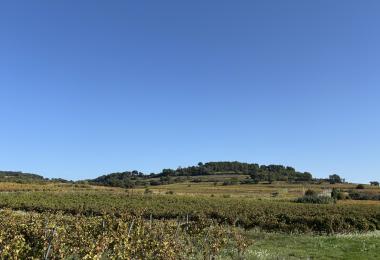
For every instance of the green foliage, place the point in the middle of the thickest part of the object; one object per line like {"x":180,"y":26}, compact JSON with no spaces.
{"x":343,"y":196}
{"x":39,"y":236}
{"x":360,"y":187}
{"x":335,"y":178}
{"x":265,"y":214}
{"x":257,"y":173}
{"x":20,"y":177}
{"x":338,"y":194}
{"x":272,"y":173}
{"x":315,"y":199}
{"x":356,"y":195}
{"x":335,"y":192}
{"x":231,"y":181}
{"x":121,"y":179}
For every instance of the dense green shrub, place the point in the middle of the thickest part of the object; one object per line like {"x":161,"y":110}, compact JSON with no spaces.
{"x":355,"y":195}
{"x":338,"y":194}
{"x":315,"y":200}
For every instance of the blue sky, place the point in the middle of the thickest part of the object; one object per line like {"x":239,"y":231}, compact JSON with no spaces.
{"x":91,"y":87}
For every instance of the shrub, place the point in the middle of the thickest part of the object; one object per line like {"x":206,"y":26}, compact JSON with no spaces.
{"x":310,"y":192}
{"x":342,"y":196}
{"x":315,"y":200}
{"x":248,"y":181}
{"x":363,"y":196}
{"x":155,"y":183}
{"x":339,"y":195}
{"x":334,"y":193}
{"x":360,"y":187}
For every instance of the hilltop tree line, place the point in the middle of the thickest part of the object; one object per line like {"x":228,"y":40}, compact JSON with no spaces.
{"x":256,"y":173}
{"x":209,"y":171}
{"x":20,"y":177}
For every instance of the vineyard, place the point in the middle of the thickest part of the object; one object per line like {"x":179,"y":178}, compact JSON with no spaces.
{"x":36,"y":236}
{"x":284,"y":216}
{"x":97,"y":223}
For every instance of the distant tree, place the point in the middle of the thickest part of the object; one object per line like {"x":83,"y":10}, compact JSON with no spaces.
{"x":155,"y":183}
{"x":168,"y":172}
{"x":360,"y":187}
{"x":258,"y":173}
{"x":374,"y":183}
{"x":335,"y":178}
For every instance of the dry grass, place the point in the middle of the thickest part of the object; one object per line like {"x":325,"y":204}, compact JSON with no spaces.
{"x":283,"y":190}
{"x":263,"y":191}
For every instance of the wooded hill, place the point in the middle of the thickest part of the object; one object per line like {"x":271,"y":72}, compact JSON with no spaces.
{"x":20,"y":177}
{"x":253,"y":173}
{"x":226,"y":172}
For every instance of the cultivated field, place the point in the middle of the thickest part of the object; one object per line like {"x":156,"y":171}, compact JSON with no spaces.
{"x":184,"y":220}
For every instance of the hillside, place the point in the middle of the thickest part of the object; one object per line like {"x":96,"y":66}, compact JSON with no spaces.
{"x":226,"y":172}
{"x":20,"y":177}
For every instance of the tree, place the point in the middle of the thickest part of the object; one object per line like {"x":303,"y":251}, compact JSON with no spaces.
{"x":335,"y":178}
{"x":360,"y":187}
{"x":374,"y":183}
{"x":168,"y":172}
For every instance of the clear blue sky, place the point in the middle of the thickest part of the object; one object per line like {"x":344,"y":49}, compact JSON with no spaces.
{"x":91,"y":87}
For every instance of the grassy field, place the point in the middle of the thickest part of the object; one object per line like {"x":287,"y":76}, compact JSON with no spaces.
{"x":301,"y":246}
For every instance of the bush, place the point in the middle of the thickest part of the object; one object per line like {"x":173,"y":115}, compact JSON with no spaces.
{"x":248,"y":181}
{"x":360,"y":187}
{"x":310,"y":192}
{"x":342,"y":196}
{"x":334,"y":193}
{"x":339,"y":195}
{"x":155,"y":183}
{"x":363,"y":196}
{"x":315,"y":200}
